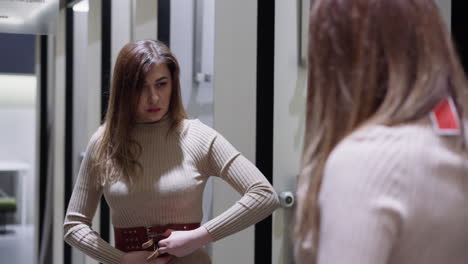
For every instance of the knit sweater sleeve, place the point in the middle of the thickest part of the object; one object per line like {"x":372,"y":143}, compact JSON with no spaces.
{"x":258,"y":199}
{"x":363,"y":200}
{"x":81,"y":209}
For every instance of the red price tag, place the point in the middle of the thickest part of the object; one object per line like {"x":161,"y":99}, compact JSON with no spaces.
{"x":445,"y":119}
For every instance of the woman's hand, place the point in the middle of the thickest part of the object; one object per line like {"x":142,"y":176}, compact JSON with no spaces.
{"x":140,"y":257}
{"x":183,"y":243}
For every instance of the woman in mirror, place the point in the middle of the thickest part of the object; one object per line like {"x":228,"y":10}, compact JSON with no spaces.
{"x":151,"y":164}
{"x":385,"y":166}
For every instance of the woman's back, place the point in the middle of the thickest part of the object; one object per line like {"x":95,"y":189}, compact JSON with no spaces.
{"x":395,"y":195}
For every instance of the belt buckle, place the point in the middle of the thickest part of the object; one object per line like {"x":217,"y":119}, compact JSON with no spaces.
{"x":152,"y":235}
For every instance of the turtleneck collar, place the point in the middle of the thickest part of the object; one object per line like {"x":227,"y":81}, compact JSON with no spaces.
{"x":163,"y":122}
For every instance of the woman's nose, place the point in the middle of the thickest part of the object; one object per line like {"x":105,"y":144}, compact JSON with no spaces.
{"x":154,"y":96}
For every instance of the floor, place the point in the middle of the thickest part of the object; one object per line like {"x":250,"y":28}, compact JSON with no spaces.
{"x":17,"y":246}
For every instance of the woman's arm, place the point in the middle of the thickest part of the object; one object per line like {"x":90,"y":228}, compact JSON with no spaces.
{"x":81,"y":209}
{"x":259,"y":199}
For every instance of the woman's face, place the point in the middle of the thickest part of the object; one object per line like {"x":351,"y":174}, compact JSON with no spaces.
{"x":155,"y":96}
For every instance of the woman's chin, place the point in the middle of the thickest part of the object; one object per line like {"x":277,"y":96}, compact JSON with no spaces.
{"x":153,"y":120}
{"x":150,"y":117}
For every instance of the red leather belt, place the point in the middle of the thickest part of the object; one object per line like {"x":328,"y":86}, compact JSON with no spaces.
{"x":131,"y":239}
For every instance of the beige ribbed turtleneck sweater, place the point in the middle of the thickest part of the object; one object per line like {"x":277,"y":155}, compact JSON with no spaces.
{"x":395,"y":195}
{"x":176,"y":167}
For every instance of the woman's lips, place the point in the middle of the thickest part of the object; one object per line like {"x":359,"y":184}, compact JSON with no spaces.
{"x":154,"y":110}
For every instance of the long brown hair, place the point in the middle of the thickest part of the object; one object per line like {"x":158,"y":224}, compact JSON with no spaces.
{"x":117,"y":153}
{"x":381,"y":62}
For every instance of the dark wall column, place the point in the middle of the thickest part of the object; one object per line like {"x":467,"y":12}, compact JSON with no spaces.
{"x":460,"y":30}
{"x":105,"y":88}
{"x":265,"y":99}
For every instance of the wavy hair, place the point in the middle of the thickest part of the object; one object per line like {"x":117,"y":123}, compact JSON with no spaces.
{"x":117,"y":153}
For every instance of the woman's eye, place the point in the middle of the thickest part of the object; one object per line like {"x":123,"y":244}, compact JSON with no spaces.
{"x":161,"y":84}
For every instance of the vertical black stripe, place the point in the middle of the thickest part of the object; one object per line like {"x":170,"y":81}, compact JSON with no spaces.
{"x":105,"y":55}
{"x":164,"y":21}
{"x":68,"y":118}
{"x":43,"y":135}
{"x":264,"y":133}
{"x":459,"y":30}
{"x":105,"y":87}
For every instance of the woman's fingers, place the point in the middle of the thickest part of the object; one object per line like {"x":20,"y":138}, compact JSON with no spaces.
{"x":162,"y":250}
{"x":167,"y":234}
{"x":162,"y":243}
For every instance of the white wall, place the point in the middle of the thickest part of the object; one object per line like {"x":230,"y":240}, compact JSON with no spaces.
{"x":145,"y":18}
{"x":181,"y":43}
{"x":446,"y":10}
{"x":80,"y":102}
{"x":80,"y":85}
{"x":197,"y":97}
{"x":205,"y":90}
{"x":58,"y":135}
{"x":289,"y":114}
{"x":94,"y":69}
{"x":121,"y":16}
{"x":94,"y":83}
{"x":235,"y":72}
